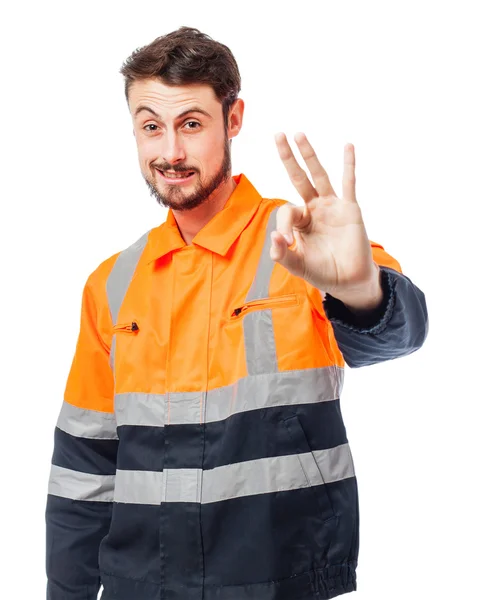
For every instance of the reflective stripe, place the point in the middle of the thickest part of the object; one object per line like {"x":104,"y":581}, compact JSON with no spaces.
{"x":258,"y":330}
{"x":138,"y":487}
{"x":119,"y":280}
{"x":85,"y":423}
{"x":155,"y":487}
{"x":80,"y":486}
{"x":260,"y":476}
{"x":277,"y":474}
{"x":250,"y":393}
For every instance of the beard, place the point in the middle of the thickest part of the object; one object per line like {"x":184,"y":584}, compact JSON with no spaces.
{"x":177,"y":199}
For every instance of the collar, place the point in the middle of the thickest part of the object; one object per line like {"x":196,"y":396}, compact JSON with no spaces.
{"x":219,"y":234}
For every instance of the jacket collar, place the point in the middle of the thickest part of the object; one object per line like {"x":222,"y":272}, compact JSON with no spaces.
{"x":219,"y":234}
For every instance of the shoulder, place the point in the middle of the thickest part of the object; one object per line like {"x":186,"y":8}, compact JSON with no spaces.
{"x":97,"y":279}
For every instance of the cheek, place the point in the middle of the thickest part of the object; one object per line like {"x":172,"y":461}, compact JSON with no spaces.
{"x":215,"y":153}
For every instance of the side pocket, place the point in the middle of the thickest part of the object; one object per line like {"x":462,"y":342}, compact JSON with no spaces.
{"x":309,"y":466}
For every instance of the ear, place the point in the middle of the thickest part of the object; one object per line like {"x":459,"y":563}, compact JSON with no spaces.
{"x":235,"y":120}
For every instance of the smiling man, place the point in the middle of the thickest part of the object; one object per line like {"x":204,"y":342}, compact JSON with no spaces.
{"x":200,"y":451}
{"x":193,"y":174}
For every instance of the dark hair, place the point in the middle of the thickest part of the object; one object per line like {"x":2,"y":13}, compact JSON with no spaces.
{"x":186,"y":56}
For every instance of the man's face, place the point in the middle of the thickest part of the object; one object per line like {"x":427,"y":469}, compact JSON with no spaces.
{"x":180,"y":139}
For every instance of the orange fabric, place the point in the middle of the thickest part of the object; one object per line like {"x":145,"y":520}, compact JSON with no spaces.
{"x":183,"y":298}
{"x":90,"y":381}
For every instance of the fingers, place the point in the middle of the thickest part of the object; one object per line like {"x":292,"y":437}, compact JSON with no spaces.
{"x":283,"y":243}
{"x":349,"y":176}
{"x":322,"y":185}
{"x":279,"y":246}
{"x":280,"y":253}
{"x":297,"y":175}
{"x":290,"y":217}
{"x":318,"y":173}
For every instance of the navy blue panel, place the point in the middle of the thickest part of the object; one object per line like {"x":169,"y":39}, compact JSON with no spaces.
{"x":74,"y":530}
{"x":84,"y":454}
{"x":150,"y":448}
{"x":182,"y":548}
{"x":158,"y":544}
{"x":262,"y":433}
{"x":244,"y":436}
{"x":132,"y":546}
{"x":142,"y":448}
{"x":275,"y":536}
{"x":184,"y":446}
{"x":274,"y":546}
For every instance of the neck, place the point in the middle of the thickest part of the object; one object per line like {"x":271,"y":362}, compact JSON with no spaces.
{"x":190,"y":222}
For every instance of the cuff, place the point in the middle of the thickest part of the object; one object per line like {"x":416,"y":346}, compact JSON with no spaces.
{"x":373,"y":321}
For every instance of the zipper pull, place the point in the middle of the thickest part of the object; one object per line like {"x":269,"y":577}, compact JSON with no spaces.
{"x":127,"y":327}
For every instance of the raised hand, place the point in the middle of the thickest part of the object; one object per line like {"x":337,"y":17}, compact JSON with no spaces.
{"x":325,"y":241}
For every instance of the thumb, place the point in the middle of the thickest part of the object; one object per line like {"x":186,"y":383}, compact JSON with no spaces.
{"x":282,"y":254}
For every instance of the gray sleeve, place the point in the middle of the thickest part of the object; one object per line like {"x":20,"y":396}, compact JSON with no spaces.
{"x":397,"y":327}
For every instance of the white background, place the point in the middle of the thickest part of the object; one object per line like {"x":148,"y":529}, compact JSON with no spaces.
{"x":399,"y":81}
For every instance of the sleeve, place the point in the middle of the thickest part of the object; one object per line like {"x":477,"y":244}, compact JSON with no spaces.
{"x":397,"y":327}
{"x":82,"y":476}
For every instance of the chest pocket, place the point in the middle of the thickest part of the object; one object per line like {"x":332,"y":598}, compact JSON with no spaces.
{"x":264,"y":304}
{"x":256,"y":319}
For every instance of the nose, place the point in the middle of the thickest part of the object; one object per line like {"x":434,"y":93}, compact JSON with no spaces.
{"x":173,"y":150}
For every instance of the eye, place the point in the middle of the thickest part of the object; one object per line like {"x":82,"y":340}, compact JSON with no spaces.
{"x":150,"y":125}
{"x":194,"y":123}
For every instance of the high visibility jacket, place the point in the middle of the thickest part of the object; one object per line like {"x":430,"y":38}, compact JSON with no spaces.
{"x":200,"y":451}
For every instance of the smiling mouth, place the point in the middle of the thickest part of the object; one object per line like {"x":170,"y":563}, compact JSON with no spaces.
{"x":177,"y":175}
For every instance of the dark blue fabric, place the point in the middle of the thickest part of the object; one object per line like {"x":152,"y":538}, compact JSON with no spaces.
{"x":84,"y":454}
{"x":177,"y":547}
{"x":132,"y":547}
{"x":315,"y":584}
{"x":243,"y":436}
{"x":74,"y":530}
{"x":398,"y":327}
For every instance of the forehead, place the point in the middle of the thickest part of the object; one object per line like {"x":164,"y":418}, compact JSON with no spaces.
{"x":154,"y":93}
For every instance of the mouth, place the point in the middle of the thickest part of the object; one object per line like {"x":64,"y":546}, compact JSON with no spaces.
{"x":176,"y":177}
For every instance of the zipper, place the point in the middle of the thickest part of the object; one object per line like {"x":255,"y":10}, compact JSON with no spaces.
{"x":131,"y":327}
{"x":264,"y":303}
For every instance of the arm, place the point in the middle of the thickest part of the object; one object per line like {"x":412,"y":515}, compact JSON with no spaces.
{"x":395,"y":328}
{"x":81,"y":483}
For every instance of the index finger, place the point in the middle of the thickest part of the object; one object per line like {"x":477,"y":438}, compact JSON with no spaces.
{"x":297,"y":175}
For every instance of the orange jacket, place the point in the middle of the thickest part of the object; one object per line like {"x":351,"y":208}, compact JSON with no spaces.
{"x":200,"y":440}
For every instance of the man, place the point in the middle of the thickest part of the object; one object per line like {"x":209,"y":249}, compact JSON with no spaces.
{"x":200,"y":452}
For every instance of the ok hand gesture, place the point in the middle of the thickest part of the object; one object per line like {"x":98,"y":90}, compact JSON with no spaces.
{"x":325,"y":241}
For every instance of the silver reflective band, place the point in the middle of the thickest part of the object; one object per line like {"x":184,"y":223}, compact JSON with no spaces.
{"x":82,"y":422}
{"x":286,"y":388}
{"x":260,"y":346}
{"x":80,"y":486}
{"x":156,"y":487}
{"x":119,"y":280}
{"x":248,"y":478}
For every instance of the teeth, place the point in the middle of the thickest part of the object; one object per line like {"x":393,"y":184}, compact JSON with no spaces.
{"x":174,"y":176}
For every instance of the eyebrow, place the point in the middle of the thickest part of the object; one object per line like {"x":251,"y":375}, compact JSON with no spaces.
{"x":196,"y":109}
